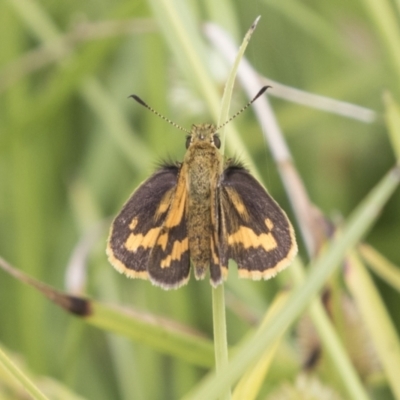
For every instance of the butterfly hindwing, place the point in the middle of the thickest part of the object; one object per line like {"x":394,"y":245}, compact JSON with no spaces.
{"x":136,"y":229}
{"x":217,"y":272}
{"x":254,"y":230}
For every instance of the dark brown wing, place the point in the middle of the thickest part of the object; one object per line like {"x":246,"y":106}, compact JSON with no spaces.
{"x":135,"y":231}
{"x":169,"y":262}
{"x":218,"y":271}
{"x":254,"y":231}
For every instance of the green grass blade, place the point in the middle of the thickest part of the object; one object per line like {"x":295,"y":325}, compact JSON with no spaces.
{"x":383,"y":16}
{"x":218,"y":296}
{"x":357,"y":225}
{"x":159,"y":333}
{"x":136,"y":152}
{"x":223,"y":13}
{"x":332,"y":343}
{"x":386,"y":270}
{"x":78,"y":73}
{"x":162,"y":334}
{"x":220,"y":333}
{"x":226,"y":98}
{"x":25,"y":382}
{"x":177,"y":22}
{"x":392,"y":119}
{"x":377,"y":320}
{"x":249,"y":386}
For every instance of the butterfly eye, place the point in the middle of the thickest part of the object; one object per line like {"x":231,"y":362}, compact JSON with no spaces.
{"x":217,"y":141}
{"x":188,"y":140}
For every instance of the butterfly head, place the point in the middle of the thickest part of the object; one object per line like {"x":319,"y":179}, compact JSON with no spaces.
{"x":204,"y":133}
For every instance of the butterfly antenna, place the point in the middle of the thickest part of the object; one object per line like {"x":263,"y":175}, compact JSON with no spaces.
{"x":140,"y":101}
{"x":262,"y":91}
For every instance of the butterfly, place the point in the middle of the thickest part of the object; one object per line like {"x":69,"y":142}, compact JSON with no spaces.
{"x":202,"y":211}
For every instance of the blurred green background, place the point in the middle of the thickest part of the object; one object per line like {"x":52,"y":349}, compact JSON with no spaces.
{"x":73,"y":148}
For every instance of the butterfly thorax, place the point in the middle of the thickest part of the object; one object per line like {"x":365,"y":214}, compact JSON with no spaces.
{"x":201,"y":165}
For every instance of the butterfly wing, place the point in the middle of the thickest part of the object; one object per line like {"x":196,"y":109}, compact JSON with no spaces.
{"x":132,"y":245}
{"x":169,"y":262}
{"x":254,"y":230}
{"x":217,"y":271}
